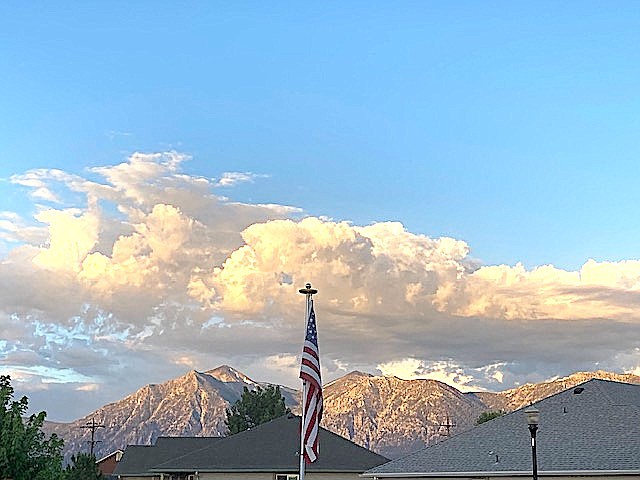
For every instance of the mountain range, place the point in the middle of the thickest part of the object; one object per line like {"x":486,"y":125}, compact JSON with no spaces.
{"x":386,"y":414}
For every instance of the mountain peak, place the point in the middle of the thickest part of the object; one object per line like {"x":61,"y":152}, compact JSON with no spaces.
{"x":227,"y":374}
{"x":353,"y":375}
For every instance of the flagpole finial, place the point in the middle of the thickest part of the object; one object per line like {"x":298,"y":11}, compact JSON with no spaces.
{"x":307,"y":290}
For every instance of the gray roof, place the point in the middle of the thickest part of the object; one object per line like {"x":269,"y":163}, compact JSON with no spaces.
{"x":138,"y":459}
{"x":274,"y":447}
{"x":596,"y":430}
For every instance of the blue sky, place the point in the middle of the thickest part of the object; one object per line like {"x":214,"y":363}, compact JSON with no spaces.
{"x":513,"y":127}
{"x":509,"y":126}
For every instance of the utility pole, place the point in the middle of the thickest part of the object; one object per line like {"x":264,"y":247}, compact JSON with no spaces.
{"x":448,"y":424}
{"x":425,"y":432}
{"x":93,"y":426}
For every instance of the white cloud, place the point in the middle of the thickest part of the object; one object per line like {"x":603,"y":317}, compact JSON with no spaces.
{"x":153,"y":271}
{"x":88,"y":387}
{"x":231,"y":179}
{"x":358,"y":269}
{"x":72,"y":235}
{"x":31,"y":179}
{"x":608,"y":290}
{"x":286,"y":368}
{"x":186,"y":360}
{"x":406,"y":369}
{"x":44,"y":193}
{"x":45,"y":374}
{"x":443,"y":371}
{"x":42,"y":182}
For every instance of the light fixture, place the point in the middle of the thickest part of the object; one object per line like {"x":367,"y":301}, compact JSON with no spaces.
{"x":533,"y":419}
{"x":533,"y":416}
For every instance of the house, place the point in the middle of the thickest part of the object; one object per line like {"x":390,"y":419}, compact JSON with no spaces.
{"x":267,"y":452}
{"x":137,"y":460}
{"x":592,"y":430}
{"x":108,"y":463}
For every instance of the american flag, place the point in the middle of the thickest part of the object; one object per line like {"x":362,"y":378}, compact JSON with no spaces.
{"x":312,"y":389}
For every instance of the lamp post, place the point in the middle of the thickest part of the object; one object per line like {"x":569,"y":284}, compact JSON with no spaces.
{"x":533,"y":418}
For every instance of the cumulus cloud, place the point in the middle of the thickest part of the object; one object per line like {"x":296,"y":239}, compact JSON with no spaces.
{"x":141,"y":271}
{"x":446,"y":371}
{"x":609,"y":290}
{"x":378,"y":269}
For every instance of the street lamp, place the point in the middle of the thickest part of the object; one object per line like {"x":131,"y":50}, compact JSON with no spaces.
{"x":533,"y":418}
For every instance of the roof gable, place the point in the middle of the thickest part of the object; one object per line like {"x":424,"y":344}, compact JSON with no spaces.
{"x":116,"y":453}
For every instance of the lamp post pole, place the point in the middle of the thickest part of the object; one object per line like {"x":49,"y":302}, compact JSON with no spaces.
{"x":533,"y":418}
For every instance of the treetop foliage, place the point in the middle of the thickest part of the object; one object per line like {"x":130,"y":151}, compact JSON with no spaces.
{"x":25,"y":452}
{"x":254,"y":408}
{"x":83,"y":467}
{"x":486,"y":416}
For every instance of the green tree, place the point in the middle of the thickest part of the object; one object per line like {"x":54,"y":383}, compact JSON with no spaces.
{"x":254,"y":408}
{"x":25,"y":452}
{"x":486,"y":416}
{"x":83,"y":467}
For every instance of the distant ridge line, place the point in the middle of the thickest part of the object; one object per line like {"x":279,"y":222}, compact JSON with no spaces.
{"x":386,"y":414}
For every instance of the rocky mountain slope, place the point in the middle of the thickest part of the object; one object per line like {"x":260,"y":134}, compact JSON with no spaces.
{"x":393,"y":416}
{"x":529,"y":393}
{"x":386,"y":414}
{"x":191,"y":405}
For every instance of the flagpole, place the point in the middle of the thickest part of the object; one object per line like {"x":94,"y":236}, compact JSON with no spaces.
{"x":308,"y":291}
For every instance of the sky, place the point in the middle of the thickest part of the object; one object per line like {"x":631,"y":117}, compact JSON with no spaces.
{"x":459,"y":180}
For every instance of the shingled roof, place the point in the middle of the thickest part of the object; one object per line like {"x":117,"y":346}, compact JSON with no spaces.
{"x":592,"y":428}
{"x":274,"y":447}
{"x":137,"y":460}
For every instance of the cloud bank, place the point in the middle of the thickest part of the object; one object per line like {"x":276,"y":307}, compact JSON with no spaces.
{"x":136,"y":272}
